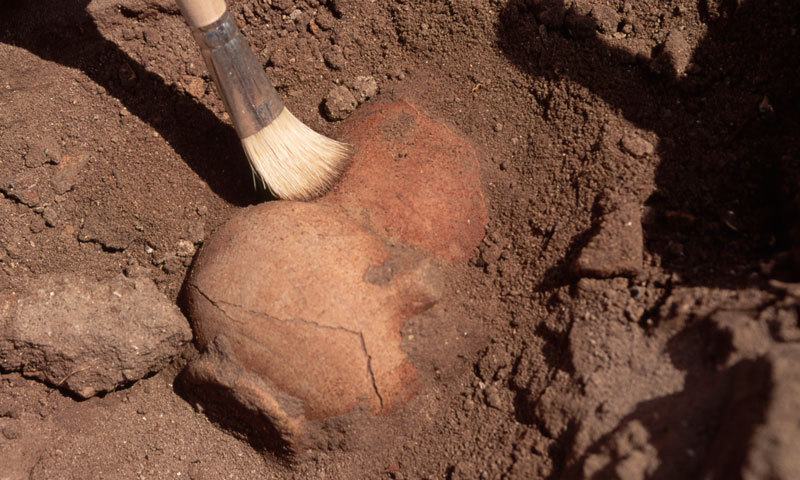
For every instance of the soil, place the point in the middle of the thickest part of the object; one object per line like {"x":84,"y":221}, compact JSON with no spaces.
{"x":115,"y":151}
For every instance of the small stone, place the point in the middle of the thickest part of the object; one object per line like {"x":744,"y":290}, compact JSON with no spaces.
{"x":127,"y":75}
{"x":35,"y":158}
{"x":195,"y":86}
{"x":580,"y":7}
{"x":493,"y":398}
{"x":498,"y":127}
{"x":199,"y":471}
{"x":675,"y":249}
{"x":185,"y":248}
{"x":37,"y":224}
{"x":364,"y":88}
{"x":279,"y":58}
{"x":785,"y":324}
{"x":334,"y":57}
{"x":627,"y":28}
{"x":339,"y":103}
{"x":50,"y":216}
{"x":636,"y":145}
{"x":765,"y":106}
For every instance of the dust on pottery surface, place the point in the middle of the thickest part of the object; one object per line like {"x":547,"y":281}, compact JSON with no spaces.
{"x":297,"y":312}
{"x":414,"y":180}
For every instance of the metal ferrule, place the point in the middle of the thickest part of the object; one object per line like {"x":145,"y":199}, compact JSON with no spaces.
{"x":248,"y":94}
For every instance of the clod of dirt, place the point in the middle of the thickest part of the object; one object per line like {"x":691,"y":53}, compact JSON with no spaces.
{"x":43,"y":151}
{"x":340,"y":8}
{"x":339,"y":103}
{"x":297,"y":312}
{"x":50,"y":216}
{"x":637,"y":146}
{"x":761,"y":427}
{"x":283,"y":5}
{"x":616,"y":248}
{"x":628,"y":454}
{"x":674,"y":56}
{"x":89,"y":337}
{"x":414,"y":180}
{"x":25,"y":189}
{"x":737,"y":335}
{"x":364,"y":88}
{"x":580,"y":26}
{"x":551,"y":13}
{"x":773,"y":451}
{"x":334,"y":57}
{"x":99,"y":228}
{"x":606,"y":17}
{"x":194,"y":86}
{"x":324,"y":19}
{"x":68,"y":173}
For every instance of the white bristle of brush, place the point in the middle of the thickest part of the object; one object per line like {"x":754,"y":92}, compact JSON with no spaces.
{"x":294,"y":161}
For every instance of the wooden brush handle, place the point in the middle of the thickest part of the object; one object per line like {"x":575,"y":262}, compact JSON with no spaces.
{"x":249,"y":97}
{"x":201,"y":13}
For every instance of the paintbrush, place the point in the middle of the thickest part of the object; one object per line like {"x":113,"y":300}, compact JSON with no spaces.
{"x":293,"y":161}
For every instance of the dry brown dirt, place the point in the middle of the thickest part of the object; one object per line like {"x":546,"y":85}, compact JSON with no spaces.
{"x":632,"y":311}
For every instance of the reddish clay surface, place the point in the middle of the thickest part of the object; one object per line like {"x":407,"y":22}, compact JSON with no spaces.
{"x":414,"y":180}
{"x":305,"y":307}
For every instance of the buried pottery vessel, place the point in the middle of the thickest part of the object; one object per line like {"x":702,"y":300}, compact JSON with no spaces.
{"x":297,"y":314}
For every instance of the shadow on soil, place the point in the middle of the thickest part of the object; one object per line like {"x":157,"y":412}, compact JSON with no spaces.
{"x":703,"y":431}
{"x":727,"y":130}
{"x":63,"y":32}
{"x":727,"y":200}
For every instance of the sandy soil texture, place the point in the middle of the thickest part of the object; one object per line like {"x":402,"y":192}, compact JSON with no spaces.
{"x":631,"y":312}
